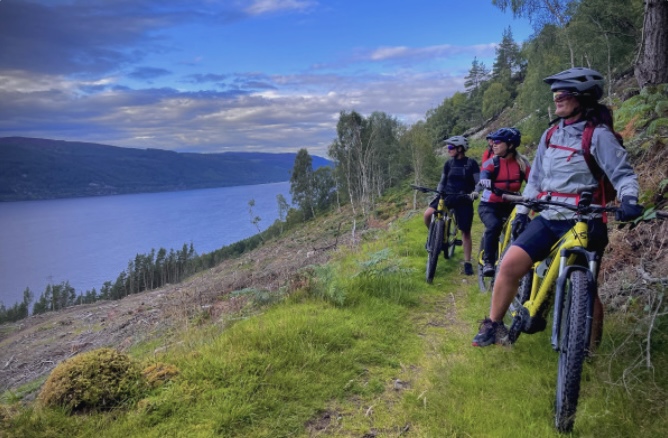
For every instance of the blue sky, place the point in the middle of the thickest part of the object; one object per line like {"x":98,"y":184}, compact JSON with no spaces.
{"x":232,"y":75}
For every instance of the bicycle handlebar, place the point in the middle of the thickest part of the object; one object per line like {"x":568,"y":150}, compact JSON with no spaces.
{"x":443,"y":194}
{"x":542,"y":204}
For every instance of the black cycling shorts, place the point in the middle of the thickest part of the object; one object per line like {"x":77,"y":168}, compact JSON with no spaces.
{"x":540,"y":234}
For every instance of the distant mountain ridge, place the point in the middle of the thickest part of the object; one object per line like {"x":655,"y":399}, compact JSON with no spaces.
{"x":35,"y":168}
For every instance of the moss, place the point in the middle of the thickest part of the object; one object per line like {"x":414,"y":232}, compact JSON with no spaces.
{"x":658,"y":126}
{"x":159,"y":373}
{"x":96,"y":380}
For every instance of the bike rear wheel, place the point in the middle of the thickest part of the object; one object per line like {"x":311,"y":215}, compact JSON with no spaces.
{"x":572,"y":349}
{"x":434,"y":245}
{"x":450,"y":238}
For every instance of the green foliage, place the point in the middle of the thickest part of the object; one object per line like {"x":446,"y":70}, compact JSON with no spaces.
{"x":425,"y":166}
{"x":259,"y":297}
{"x":96,"y":380}
{"x":494,"y":100}
{"x":301,"y":184}
{"x":658,"y":127}
{"x":477,"y":75}
{"x":450,"y":118}
{"x":376,"y":362}
{"x":55,"y":297}
{"x":647,"y":111}
{"x":368,"y":156}
{"x":325,"y":284}
{"x":18,"y":311}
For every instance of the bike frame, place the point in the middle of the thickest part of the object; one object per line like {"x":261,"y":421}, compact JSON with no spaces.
{"x":443,"y":212}
{"x":486,"y":283}
{"x":571,"y":247}
{"x":506,"y":234}
{"x":443,"y":226}
{"x":569,"y":272}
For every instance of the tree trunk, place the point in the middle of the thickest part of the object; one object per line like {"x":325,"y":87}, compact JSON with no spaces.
{"x":651,"y":67}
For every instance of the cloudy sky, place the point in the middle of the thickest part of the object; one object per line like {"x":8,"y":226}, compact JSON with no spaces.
{"x":232,"y":75}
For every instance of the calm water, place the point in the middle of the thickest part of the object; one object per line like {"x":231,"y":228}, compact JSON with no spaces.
{"x":88,"y":241}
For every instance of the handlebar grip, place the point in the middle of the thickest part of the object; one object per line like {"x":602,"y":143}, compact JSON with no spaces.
{"x":513,"y":198}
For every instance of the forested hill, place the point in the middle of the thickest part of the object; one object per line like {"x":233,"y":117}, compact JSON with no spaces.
{"x":32,"y":168}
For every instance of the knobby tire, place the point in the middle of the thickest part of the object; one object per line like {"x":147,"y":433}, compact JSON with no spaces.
{"x":450,"y":239}
{"x":572,"y":349}
{"x":434,"y":244}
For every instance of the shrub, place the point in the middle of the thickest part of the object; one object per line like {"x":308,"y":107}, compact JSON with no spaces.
{"x":95,"y":380}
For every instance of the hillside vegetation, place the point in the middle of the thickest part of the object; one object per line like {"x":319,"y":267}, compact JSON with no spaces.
{"x":329,"y":328}
{"x":363,"y":347}
{"x":32,"y":168}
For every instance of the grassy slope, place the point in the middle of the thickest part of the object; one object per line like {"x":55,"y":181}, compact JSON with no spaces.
{"x":366,"y":348}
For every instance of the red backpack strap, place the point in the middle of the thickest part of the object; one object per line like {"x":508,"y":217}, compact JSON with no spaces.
{"x":587,"y":135}
{"x":549,"y":134}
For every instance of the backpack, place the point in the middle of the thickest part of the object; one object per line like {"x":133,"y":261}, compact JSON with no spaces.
{"x":468,"y":167}
{"x":606,"y":191}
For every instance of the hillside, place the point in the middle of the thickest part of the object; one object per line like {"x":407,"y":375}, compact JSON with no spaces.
{"x":32,"y":168}
{"x":315,"y":334}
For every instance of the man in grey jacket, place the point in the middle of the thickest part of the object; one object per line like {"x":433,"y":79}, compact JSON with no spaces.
{"x":561,"y":170}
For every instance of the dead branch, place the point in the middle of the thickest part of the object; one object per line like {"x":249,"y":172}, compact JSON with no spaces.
{"x":648,"y":279}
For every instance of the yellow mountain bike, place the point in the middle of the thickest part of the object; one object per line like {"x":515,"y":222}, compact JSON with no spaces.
{"x":442,"y":235}
{"x":486,"y":284}
{"x":567,"y":277}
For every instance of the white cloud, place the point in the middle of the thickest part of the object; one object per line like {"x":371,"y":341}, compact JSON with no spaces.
{"x":54,"y":83}
{"x":260,"y":7}
{"x":430,"y":52}
{"x":300,"y":113}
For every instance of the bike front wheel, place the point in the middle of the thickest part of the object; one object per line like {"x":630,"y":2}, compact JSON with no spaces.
{"x":450,"y":238}
{"x":434,"y":245}
{"x":572,"y":349}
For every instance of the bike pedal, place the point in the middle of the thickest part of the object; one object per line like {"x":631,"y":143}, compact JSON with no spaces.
{"x":458,"y":242}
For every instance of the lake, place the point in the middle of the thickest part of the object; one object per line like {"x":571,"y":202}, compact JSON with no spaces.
{"x":88,"y":241}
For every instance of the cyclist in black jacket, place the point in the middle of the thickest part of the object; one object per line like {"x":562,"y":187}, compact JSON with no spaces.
{"x":460,"y":176}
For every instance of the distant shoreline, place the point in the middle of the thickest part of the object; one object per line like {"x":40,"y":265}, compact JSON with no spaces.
{"x":42,"y":169}
{"x":2,"y":200}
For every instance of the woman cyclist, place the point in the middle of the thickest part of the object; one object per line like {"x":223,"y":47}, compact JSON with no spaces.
{"x":560,"y":169}
{"x":460,"y":176}
{"x":502,"y":173}
{"x":489,"y":150}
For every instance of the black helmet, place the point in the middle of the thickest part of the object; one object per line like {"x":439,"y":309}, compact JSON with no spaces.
{"x":511,"y":136}
{"x":458,"y":140}
{"x":580,"y":80}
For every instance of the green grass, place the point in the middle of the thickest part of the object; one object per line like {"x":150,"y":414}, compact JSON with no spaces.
{"x":369,"y":348}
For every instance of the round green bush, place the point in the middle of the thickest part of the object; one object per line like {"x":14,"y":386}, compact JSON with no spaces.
{"x":96,"y":380}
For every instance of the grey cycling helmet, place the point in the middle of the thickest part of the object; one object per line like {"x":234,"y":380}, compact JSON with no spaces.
{"x":458,"y":140}
{"x":583,"y":81}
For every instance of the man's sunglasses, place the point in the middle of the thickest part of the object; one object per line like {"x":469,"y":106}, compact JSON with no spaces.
{"x":561,"y":95}
{"x":451,"y":147}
